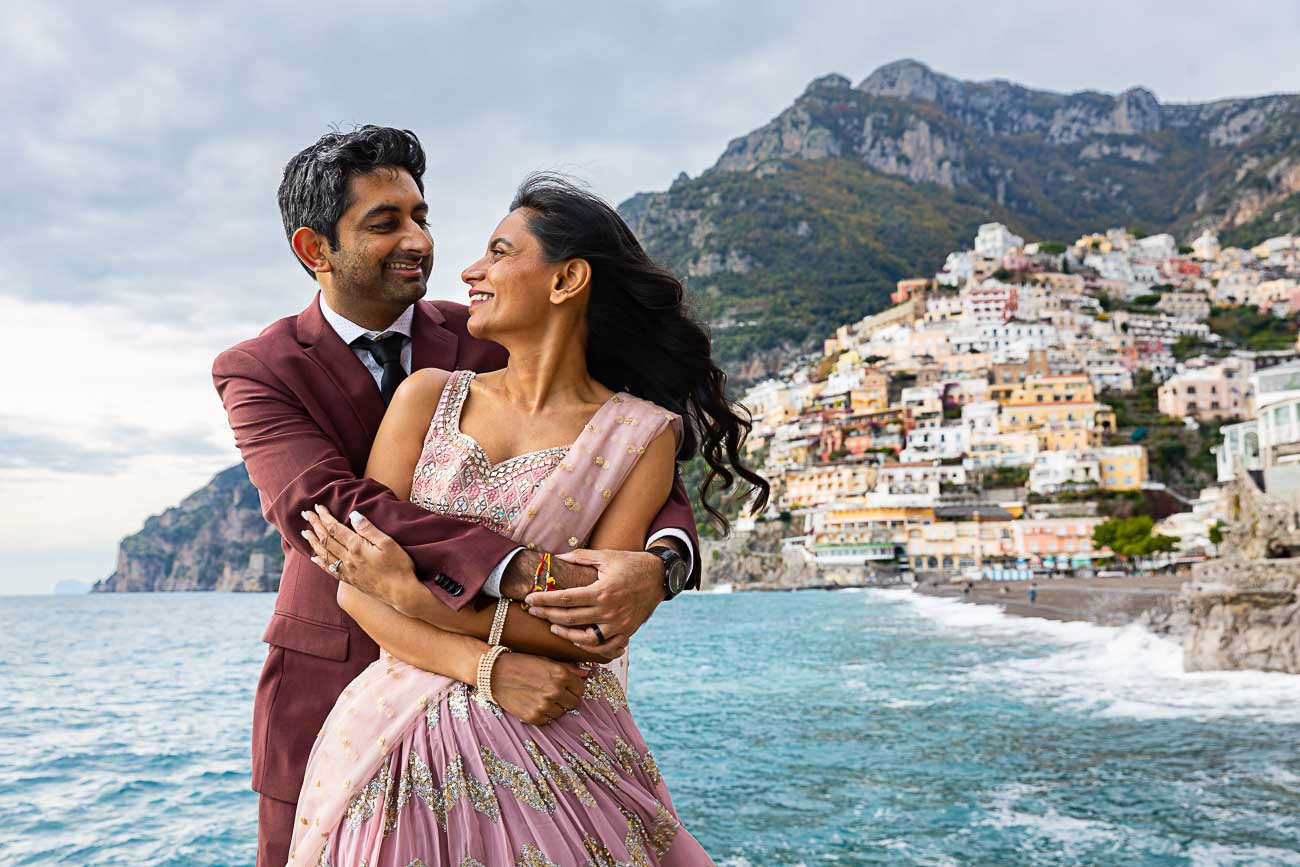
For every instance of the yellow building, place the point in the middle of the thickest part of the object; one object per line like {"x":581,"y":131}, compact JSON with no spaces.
{"x":1053,"y":388}
{"x":1067,"y":437}
{"x":873,"y":396}
{"x":826,"y":483}
{"x":1123,"y":468}
{"x":1005,"y":449}
{"x":949,"y":546}
{"x":1031,"y":416}
{"x":855,"y":523}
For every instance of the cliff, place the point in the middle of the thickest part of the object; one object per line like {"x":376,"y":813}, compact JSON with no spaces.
{"x":1243,"y":610}
{"x":814,"y":215}
{"x":216,"y":539}
{"x":753,"y":560}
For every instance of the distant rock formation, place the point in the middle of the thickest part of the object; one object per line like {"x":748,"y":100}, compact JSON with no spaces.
{"x":851,"y":188}
{"x":216,"y":539}
{"x":754,"y":560}
{"x":1243,"y":609}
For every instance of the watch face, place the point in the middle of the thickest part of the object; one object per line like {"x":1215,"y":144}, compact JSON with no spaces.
{"x":677,"y":577}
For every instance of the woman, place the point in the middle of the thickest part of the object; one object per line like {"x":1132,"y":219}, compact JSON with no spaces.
{"x":452,"y":750}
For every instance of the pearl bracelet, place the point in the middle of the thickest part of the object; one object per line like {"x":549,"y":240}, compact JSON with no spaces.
{"x":499,"y":622}
{"x":485,"y":664}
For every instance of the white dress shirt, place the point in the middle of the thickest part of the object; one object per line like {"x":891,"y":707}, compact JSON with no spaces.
{"x":349,"y":331}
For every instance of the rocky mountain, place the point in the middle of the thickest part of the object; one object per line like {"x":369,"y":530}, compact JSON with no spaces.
{"x":216,"y":539}
{"x":809,"y":219}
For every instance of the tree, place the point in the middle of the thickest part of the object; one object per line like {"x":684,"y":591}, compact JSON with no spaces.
{"x":1132,"y":538}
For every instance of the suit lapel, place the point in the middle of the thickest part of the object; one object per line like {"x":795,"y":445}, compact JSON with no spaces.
{"x":432,"y":345}
{"x":342,"y":367}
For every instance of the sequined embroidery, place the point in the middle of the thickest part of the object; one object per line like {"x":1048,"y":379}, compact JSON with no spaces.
{"x":363,"y":805}
{"x":531,"y":856}
{"x":458,"y":702}
{"x":456,"y":785}
{"x":455,"y":477}
{"x":561,"y":777}
{"x":603,"y":684}
{"x":517,"y":780}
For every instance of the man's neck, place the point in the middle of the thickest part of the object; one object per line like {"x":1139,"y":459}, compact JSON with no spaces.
{"x":370,"y":315}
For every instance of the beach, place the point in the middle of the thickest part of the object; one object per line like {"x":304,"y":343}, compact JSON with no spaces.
{"x":1104,"y":601}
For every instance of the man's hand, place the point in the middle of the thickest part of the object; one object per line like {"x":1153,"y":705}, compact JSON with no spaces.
{"x":628,"y":588}
{"x":367,"y":558}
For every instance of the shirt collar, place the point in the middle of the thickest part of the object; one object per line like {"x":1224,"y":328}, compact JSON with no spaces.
{"x":349,"y":331}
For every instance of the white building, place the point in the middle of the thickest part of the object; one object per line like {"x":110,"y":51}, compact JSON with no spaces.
{"x":1270,"y":442}
{"x":994,"y":240}
{"x":1055,"y":472}
{"x":945,"y":441}
{"x":1206,"y":247}
{"x":957,"y":269}
{"x":1155,"y":247}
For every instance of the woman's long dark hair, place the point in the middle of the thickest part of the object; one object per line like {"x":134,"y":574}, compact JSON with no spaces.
{"x":640,"y":337}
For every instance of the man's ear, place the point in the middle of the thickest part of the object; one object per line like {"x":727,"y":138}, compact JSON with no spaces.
{"x":310,"y":247}
{"x":573,"y":278}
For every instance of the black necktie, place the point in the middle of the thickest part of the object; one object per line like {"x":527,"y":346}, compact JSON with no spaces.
{"x":388,"y":352}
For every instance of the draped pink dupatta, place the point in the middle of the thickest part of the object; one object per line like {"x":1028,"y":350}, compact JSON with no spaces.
{"x":379,"y":707}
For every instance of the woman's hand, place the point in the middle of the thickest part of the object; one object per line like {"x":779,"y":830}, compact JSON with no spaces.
{"x":534,"y":689}
{"x":366,"y":558}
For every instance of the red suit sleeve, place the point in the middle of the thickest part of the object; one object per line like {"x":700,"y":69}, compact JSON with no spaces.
{"x":678,"y":515}
{"x":294,"y":464}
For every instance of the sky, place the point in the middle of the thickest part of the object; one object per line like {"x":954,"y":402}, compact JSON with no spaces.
{"x":143,"y":144}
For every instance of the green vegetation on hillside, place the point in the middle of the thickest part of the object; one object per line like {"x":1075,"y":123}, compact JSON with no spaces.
{"x":1280,"y":219}
{"x":818,"y":244}
{"x":1177,"y":456}
{"x":1247,"y":328}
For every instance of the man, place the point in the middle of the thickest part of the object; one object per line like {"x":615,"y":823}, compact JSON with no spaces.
{"x":305,"y":399}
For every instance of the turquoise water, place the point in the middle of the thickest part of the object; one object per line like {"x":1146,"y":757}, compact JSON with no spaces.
{"x":810,"y":728}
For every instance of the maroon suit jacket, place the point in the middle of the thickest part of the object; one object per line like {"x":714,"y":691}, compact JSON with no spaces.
{"x":305,"y":411}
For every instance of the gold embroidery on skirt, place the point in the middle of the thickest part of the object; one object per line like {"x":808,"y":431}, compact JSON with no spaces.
{"x":517,"y":780}
{"x":559,"y":776}
{"x":531,"y":856}
{"x":603,"y":684}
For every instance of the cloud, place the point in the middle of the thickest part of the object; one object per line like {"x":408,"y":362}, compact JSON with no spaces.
{"x":144,"y":143}
{"x":25,"y":445}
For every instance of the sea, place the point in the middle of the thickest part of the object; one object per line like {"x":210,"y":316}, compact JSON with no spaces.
{"x":858,"y":727}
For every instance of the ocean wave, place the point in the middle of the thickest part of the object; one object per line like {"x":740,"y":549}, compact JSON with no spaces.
{"x":1110,"y":671}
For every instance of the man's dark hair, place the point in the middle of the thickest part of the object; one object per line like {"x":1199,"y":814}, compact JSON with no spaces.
{"x":314,"y":191}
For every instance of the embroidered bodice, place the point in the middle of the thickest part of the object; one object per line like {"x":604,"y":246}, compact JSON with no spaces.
{"x":455,"y":477}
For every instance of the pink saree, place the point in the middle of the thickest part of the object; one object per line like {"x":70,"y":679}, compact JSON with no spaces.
{"x":412,"y":769}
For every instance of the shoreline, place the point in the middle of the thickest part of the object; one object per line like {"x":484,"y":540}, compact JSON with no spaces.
{"x":1103,"y":601}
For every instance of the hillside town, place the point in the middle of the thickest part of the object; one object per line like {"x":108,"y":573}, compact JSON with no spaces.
{"x":986,"y":424}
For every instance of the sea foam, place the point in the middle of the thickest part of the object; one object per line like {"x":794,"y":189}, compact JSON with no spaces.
{"x":1107,"y":671}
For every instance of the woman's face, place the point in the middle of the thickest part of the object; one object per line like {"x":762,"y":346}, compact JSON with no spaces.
{"x":510,"y":286}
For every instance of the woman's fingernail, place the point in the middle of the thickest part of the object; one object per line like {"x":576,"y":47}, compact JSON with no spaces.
{"x":355,"y":517}
{"x":317,"y":507}
{"x":306,"y":534}
{"x":306,"y":515}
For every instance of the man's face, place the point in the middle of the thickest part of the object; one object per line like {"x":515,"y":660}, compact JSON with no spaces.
{"x":385,"y":252}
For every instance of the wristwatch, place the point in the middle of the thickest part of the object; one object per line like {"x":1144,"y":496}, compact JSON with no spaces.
{"x":675,"y":572}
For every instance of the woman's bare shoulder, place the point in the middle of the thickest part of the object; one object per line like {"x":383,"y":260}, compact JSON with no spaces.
{"x":417,"y":397}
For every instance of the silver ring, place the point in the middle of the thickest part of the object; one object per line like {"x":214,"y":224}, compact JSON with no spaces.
{"x":600,"y":636}
{"x":335,"y":566}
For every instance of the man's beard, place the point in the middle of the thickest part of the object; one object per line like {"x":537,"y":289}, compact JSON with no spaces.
{"x":358,"y":279}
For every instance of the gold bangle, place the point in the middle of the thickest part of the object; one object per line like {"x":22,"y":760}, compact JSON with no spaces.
{"x":499,"y":622}
{"x":485,"y":665}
